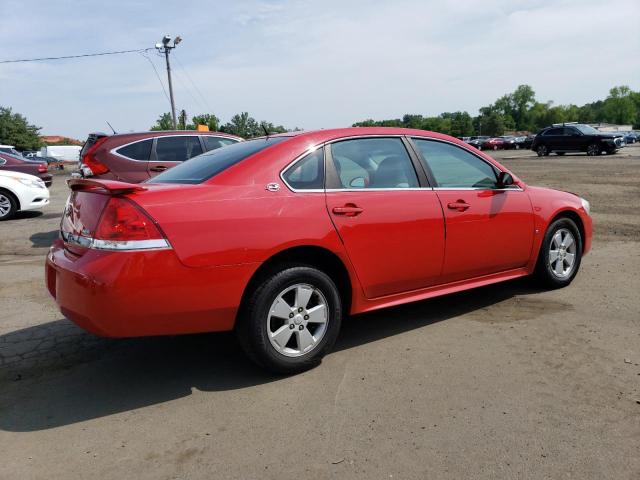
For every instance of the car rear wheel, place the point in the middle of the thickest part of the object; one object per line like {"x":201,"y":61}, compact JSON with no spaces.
{"x":8,"y":206}
{"x":542,"y":150}
{"x":560,"y":254}
{"x":290,"y":320}
{"x":593,"y":149}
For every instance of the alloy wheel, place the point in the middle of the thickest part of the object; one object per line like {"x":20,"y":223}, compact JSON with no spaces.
{"x":593,"y":150}
{"x":5,"y":205}
{"x":562,"y":253}
{"x":297,"y":320}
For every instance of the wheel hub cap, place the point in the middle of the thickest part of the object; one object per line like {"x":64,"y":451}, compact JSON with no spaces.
{"x":297,"y":320}
{"x":562,"y":253}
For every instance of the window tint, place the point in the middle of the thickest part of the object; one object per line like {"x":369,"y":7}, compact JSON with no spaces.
{"x":137,"y":151}
{"x":178,"y":148}
{"x":373,"y":163}
{"x":307,"y":173}
{"x":213,"y":162}
{"x":454,"y":167}
{"x":554,"y":131}
{"x":211,"y":143}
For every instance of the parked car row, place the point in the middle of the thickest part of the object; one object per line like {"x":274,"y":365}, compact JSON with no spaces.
{"x":17,"y":163}
{"x":504,"y":142}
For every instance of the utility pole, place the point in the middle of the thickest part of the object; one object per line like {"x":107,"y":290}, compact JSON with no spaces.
{"x":166,"y":48}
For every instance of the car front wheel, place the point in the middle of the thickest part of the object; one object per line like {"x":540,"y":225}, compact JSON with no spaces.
{"x":290,"y":320}
{"x":8,"y":206}
{"x":593,"y":149}
{"x":560,"y":254}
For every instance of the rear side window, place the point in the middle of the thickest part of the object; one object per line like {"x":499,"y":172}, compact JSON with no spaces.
{"x":373,"y":163}
{"x":454,"y":167}
{"x":215,"y":161}
{"x":178,"y":148}
{"x":137,"y":151}
{"x":211,"y":143}
{"x":553,"y":131}
{"x":307,"y":173}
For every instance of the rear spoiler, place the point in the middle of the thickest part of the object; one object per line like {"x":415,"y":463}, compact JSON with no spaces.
{"x":111,"y":187}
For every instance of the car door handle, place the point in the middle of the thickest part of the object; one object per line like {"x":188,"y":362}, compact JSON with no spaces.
{"x":459,"y":205}
{"x":159,"y":168}
{"x":348,"y":210}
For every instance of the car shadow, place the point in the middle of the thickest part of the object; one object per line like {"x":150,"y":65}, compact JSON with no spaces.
{"x":56,"y":374}
{"x":27,"y":214}
{"x":43,"y":239}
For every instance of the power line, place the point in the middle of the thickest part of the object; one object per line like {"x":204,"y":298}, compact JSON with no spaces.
{"x":22,"y":60}
{"x":157,"y":75}
{"x":184,"y":70}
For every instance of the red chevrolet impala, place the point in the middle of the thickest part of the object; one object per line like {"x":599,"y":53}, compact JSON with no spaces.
{"x":280,"y":237}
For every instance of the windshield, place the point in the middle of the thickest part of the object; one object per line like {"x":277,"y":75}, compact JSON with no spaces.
{"x":587,"y":130}
{"x":203,"y":167}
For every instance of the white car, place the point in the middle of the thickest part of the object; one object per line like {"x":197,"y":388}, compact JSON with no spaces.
{"x":20,"y":192}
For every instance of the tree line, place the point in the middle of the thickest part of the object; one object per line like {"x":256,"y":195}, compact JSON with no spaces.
{"x":516,"y":111}
{"x":519,"y":111}
{"x":240,"y":124}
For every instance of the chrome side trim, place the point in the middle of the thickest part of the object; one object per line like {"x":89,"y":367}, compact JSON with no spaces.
{"x":515,"y":188}
{"x":119,"y":245}
{"x":361,"y":190}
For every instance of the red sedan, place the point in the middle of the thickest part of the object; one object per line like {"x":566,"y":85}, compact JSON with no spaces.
{"x":494,"y":143}
{"x":280,"y":237}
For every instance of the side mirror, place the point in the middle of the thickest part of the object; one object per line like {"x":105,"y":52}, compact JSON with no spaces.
{"x":504,"y":179}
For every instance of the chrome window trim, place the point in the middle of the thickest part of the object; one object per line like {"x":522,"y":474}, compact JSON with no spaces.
{"x":353,"y":137}
{"x":114,"y":152}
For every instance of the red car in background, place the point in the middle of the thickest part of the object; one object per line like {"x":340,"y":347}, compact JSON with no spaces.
{"x":494,"y":143}
{"x":15,"y":163}
{"x":136,"y":157}
{"x":280,"y":237}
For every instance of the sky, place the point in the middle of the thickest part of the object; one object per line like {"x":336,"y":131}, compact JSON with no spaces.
{"x":307,"y":64}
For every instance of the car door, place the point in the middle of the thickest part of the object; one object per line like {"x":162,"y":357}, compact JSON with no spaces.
{"x":388,"y":218}
{"x":488,"y":229}
{"x":573,"y":139}
{"x":169,"y":151}
{"x":553,"y":138}
{"x":130,"y":162}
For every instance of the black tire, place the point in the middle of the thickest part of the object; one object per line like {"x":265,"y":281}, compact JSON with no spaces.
{"x":544,"y":273}
{"x":560,"y":153}
{"x":7,"y":198}
{"x":542,"y":150}
{"x":252,"y":324}
{"x":594,"y":149}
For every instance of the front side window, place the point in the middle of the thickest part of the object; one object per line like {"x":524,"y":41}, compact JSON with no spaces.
{"x":307,"y":173}
{"x":454,"y":167}
{"x":178,"y":148}
{"x":373,"y":163}
{"x":137,"y":151}
{"x":211,"y":143}
{"x":553,"y":131}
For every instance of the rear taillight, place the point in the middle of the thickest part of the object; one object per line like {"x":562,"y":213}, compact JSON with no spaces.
{"x":90,"y":161}
{"x":42,"y":167}
{"x":122,"y":224}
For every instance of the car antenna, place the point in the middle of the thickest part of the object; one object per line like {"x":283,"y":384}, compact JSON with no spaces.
{"x":114,"y":132}
{"x":266,"y":132}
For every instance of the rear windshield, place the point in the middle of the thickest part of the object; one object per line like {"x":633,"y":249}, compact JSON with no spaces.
{"x":203,"y":167}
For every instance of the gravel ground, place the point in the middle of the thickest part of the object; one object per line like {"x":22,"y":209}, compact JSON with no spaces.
{"x":501,"y":382}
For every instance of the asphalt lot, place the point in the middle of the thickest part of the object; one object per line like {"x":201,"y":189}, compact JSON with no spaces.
{"x":501,"y":382}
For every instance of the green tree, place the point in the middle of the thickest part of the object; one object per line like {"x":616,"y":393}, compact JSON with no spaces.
{"x":164,"y":122}
{"x":208,"y":119}
{"x":619,"y":106}
{"x":17,"y":131}
{"x":182,"y":120}
{"x":242,"y":125}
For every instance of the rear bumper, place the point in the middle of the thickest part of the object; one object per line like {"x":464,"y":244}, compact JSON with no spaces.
{"x":131,"y":294}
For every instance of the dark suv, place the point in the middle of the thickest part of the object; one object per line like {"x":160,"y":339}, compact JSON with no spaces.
{"x":136,"y":157}
{"x":574,"y":138}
